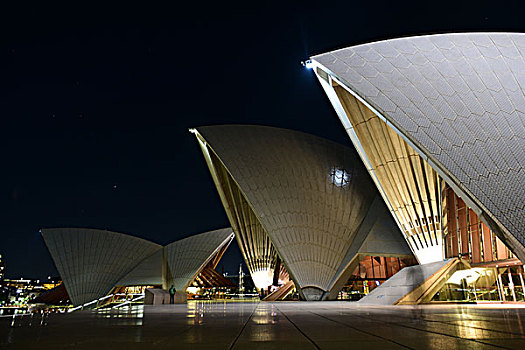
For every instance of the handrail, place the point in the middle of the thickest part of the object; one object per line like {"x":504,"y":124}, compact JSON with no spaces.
{"x":128,"y":302}
{"x":81,"y":307}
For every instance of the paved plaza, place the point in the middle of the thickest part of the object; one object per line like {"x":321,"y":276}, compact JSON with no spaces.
{"x":280,"y":325}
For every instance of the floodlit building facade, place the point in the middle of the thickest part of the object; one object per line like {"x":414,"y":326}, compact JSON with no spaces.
{"x":298,"y":200}
{"x":439,"y":122}
{"x":93,"y":262}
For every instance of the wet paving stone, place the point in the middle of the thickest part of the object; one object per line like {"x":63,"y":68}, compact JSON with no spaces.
{"x":279,"y":325}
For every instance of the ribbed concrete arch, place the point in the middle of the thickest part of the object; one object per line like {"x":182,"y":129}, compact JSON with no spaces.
{"x":91,"y":261}
{"x":458,"y":100}
{"x":255,"y":245}
{"x":187,"y":257}
{"x":311,"y":195}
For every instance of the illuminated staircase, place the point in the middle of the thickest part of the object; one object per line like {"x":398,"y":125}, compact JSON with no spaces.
{"x":414,"y":284}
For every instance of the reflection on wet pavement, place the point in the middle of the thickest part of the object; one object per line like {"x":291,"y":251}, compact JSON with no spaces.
{"x":283,"y":325}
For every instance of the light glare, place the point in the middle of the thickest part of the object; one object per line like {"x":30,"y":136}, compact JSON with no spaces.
{"x":262,"y":278}
{"x":308,"y":64}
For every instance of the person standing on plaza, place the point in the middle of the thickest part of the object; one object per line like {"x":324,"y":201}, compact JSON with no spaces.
{"x":172,"y":291}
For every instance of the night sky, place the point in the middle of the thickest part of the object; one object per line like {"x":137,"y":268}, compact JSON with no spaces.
{"x":96,"y":102}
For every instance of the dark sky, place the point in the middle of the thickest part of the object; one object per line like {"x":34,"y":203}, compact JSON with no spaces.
{"x":96,"y":101}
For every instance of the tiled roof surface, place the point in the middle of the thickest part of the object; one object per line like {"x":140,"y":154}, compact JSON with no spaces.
{"x":91,"y":261}
{"x":460,"y":98}
{"x":310,"y":194}
{"x":188,"y":256}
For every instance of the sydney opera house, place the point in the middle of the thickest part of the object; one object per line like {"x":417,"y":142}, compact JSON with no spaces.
{"x":435,"y":176}
{"x":439,"y":123}
{"x":300,"y":204}
{"x":94,"y":263}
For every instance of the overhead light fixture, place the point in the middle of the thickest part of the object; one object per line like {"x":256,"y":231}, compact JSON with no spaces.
{"x":308,"y":64}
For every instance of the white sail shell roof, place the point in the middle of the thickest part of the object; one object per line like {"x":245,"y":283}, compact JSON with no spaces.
{"x":310,"y":194}
{"x":459,"y":99}
{"x":147,"y":273}
{"x":91,"y":261}
{"x":187,"y":257}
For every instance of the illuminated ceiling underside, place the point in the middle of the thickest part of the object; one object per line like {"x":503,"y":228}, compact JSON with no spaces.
{"x":410,"y":186}
{"x":256,"y":247}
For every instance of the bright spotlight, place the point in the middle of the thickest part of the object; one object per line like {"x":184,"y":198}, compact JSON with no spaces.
{"x":308,"y":64}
